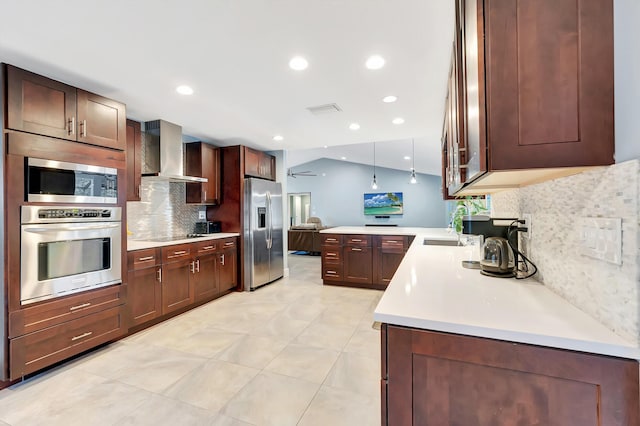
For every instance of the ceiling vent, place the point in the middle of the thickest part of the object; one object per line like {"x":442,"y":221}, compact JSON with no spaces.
{"x":324,"y":109}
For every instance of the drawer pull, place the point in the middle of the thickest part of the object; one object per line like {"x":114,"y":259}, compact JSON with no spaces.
{"x":332,"y":254}
{"x":82,"y":336}
{"x":392,"y":241}
{"x":179,"y":252}
{"x":332,"y":273}
{"x":144,"y":259}
{"x":356,"y":249}
{"x":84,"y":305}
{"x":331,"y":239}
{"x":208,"y":247}
{"x":356,"y":240}
{"x":228,"y":244}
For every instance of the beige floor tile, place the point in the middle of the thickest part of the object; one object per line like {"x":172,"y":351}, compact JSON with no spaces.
{"x":160,"y":410}
{"x":304,"y":362}
{"x":211,"y":385}
{"x":206,"y":343}
{"x":304,"y":311}
{"x":364,"y":342}
{"x":357,"y":373}
{"x":272,"y":399}
{"x":330,"y":336}
{"x":223,"y":420}
{"x":338,"y":407}
{"x":281,"y":327}
{"x":253,"y":351}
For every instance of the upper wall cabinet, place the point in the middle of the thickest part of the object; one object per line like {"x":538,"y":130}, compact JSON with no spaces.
{"x":203,"y":160}
{"x":37,"y":104}
{"x":259,"y":164}
{"x":536,"y":90}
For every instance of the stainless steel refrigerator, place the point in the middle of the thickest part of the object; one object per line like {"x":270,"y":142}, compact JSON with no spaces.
{"x":263,"y":248}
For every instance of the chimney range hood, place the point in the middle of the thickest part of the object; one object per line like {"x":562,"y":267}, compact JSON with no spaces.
{"x":162,"y":153}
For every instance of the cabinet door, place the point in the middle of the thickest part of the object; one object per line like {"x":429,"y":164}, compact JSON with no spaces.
{"x":205,"y":283}
{"x":177,"y":285}
{"x":258,"y":164}
{"x":134,"y":160}
{"x":549,"y":79}
{"x":387,"y":265}
{"x":36,"y":104}
{"x":357,"y":265}
{"x":203,"y":160}
{"x":144,"y":295}
{"x":101,"y":121}
{"x":227,"y":269}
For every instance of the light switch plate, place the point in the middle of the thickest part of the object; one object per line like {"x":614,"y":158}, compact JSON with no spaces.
{"x":601,"y":238}
{"x":202,"y":215}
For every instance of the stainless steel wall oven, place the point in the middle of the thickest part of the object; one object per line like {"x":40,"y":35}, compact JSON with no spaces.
{"x":66,"y":249}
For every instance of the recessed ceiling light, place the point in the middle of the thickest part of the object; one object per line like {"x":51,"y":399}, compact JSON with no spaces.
{"x":389,"y":99}
{"x":298,"y":63}
{"x":184,"y":90}
{"x":375,"y":62}
{"x":278,"y":138}
{"x":406,"y":157}
{"x":398,"y":120}
{"x":354,"y":126}
{"x":343,"y":158}
{"x":326,"y":146}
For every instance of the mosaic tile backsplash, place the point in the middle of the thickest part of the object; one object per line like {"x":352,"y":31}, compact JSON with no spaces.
{"x":162,"y":211}
{"x":606,"y":291}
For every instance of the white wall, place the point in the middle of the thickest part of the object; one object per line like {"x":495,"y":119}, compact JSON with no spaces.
{"x":337,"y":194}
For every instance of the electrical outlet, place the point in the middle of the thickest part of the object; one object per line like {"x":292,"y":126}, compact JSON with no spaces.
{"x":202,"y":215}
{"x":527,"y":224}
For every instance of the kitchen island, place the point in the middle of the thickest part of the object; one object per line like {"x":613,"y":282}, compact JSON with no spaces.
{"x":462,"y":348}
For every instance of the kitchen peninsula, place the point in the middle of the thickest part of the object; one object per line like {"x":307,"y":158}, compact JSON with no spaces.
{"x":462,"y":348}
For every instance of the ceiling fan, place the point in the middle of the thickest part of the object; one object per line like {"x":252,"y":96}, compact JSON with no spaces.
{"x":293,"y":174}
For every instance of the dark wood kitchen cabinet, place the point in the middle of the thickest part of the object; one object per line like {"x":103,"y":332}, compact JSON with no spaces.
{"x":203,"y":160}
{"x":228,"y":264}
{"x":389,"y":252}
{"x":331,"y":257}
{"x":144,"y":302}
{"x":36,"y":104}
{"x":134,"y":160}
{"x":259,"y":164}
{"x":177,"y":284}
{"x":205,"y":273}
{"x":357,"y":259}
{"x":536,"y":92}
{"x":439,"y":378}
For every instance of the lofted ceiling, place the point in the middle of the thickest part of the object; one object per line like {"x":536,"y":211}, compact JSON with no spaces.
{"x":235,"y":55}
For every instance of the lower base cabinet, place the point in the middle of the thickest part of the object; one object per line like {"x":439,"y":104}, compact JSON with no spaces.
{"x":433,"y":378}
{"x":228,"y":266}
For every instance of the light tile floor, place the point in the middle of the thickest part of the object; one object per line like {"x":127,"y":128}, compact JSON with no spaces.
{"x":292,"y":353}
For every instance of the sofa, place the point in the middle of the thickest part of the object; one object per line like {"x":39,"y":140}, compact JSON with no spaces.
{"x":306,"y":237}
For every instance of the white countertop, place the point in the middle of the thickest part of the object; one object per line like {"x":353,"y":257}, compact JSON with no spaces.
{"x":431,"y":290}
{"x":431,"y":233}
{"x":133,"y":244}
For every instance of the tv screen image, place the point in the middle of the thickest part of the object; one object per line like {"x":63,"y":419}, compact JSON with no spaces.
{"x":383,"y":203}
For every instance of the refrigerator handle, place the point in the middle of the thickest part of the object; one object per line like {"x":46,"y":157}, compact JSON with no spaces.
{"x":269,"y":230}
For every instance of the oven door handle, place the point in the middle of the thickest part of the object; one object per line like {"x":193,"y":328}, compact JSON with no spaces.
{"x":71,"y":228}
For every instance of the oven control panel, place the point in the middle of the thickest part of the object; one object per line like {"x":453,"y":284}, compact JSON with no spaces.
{"x":72,"y":213}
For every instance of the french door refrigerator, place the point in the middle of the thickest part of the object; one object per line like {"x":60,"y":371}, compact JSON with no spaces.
{"x":263,"y":247}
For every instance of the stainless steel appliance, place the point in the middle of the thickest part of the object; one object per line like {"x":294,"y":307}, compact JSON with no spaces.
{"x":65,"y":250}
{"x":207,"y":227}
{"x":497,"y":258}
{"x":263,"y":250}
{"x":62,"y":182}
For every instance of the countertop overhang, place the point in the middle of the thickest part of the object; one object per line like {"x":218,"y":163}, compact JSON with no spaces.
{"x":133,"y":244}
{"x":431,"y":290}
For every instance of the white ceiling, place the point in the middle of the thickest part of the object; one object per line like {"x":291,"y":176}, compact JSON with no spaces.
{"x":235,"y":55}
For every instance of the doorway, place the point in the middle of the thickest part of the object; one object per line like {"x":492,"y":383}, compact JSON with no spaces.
{"x":299,"y":207}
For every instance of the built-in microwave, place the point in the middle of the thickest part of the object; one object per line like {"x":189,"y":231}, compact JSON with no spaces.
{"x":52,"y":181}
{"x":65,"y":250}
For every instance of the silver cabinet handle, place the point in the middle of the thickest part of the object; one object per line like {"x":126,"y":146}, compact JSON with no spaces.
{"x":160,"y":275}
{"x":208,"y":247}
{"x":70,"y":228}
{"x":331,"y":239}
{"x":142,"y":259}
{"x":72,"y":126}
{"x":193,"y":267}
{"x":84,"y":305}
{"x":82,"y":336}
{"x":205,"y":194}
{"x":332,"y":273}
{"x":392,"y":241}
{"x":228,"y":244}
{"x":198,"y":265}
{"x":222,"y":259}
{"x":355,"y":249}
{"x":356,"y":240}
{"x":330,"y":254}
{"x":84,"y":128}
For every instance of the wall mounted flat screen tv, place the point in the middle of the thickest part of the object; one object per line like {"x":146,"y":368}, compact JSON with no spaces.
{"x":383,"y":203}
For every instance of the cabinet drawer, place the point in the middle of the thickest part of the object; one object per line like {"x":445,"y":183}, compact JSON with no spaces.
{"x":227,"y":243}
{"x":358,"y":240}
{"x":331,"y":239}
{"x":332,"y":255}
{"x":205,"y":247}
{"x":35,"y":351}
{"x":57,"y":311}
{"x":140,"y":259}
{"x":393,"y":244}
{"x":332,"y":273}
{"x":175,"y":253}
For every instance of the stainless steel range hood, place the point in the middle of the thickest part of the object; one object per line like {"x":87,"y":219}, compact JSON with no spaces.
{"x":162,"y":153}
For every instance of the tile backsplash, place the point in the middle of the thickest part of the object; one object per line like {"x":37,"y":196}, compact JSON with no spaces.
{"x":162,"y":211}
{"x":607,"y":291}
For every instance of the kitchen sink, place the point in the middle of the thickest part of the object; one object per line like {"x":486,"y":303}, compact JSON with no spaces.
{"x":431,"y":242}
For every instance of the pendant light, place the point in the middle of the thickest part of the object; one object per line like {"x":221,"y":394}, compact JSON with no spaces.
{"x":413,"y":179}
{"x":374,"y":183}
